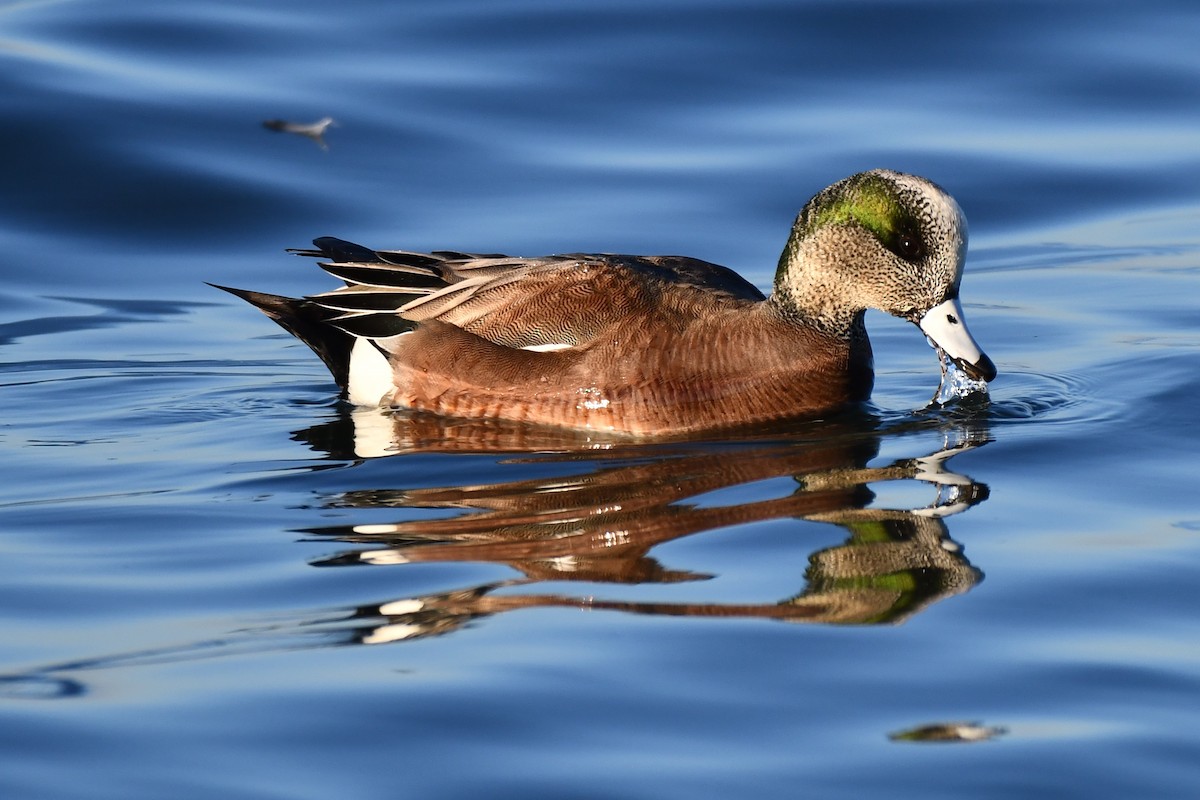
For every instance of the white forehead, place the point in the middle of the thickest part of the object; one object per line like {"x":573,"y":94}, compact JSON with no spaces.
{"x":940,"y":205}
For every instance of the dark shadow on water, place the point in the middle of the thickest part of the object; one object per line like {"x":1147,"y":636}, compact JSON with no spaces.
{"x":111,"y":313}
{"x":599,"y":520}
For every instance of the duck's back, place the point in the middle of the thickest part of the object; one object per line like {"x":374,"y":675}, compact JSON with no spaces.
{"x":526,"y":303}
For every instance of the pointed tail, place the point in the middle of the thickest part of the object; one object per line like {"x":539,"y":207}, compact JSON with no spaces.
{"x":309,"y":323}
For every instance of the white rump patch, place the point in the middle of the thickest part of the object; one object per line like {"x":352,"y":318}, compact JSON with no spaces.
{"x":370,"y":379}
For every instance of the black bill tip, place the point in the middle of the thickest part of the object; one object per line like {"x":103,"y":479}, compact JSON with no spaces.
{"x":981,"y":370}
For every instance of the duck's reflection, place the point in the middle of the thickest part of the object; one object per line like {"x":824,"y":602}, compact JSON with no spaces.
{"x":597,"y":522}
{"x":600,"y":522}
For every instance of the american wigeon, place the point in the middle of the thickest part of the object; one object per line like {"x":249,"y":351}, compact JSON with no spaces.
{"x":644,"y":345}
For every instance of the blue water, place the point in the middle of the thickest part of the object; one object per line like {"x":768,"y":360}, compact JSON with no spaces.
{"x":204,"y":592}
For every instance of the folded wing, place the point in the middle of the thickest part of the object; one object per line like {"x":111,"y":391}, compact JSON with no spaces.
{"x":532,"y":303}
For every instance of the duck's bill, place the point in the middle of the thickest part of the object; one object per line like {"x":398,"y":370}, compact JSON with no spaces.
{"x":945,"y":325}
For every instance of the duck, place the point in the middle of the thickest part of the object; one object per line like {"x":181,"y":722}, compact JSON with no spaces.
{"x":644,"y":346}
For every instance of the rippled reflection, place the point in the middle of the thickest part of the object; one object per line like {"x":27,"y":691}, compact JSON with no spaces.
{"x":601,"y":522}
{"x":598,"y":522}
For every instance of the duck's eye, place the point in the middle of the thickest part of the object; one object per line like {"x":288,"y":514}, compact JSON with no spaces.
{"x":908,"y":244}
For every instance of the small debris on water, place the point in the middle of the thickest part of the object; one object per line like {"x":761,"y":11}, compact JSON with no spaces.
{"x":313,"y":130}
{"x":948,"y":732}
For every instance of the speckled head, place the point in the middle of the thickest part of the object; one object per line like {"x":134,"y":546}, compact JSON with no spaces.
{"x":883,"y":240}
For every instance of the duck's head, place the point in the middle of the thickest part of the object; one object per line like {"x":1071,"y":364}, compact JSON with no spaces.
{"x":883,"y":240}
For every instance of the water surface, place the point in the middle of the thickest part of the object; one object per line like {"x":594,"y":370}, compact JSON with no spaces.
{"x":216,"y":581}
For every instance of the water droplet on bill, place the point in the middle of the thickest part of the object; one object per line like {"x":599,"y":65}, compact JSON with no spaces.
{"x":956,"y":384}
